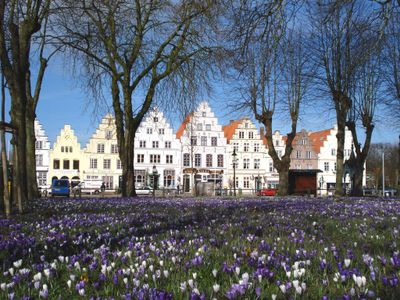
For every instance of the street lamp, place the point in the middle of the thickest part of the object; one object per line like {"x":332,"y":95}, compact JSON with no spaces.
{"x":234,"y":171}
{"x":155,"y":173}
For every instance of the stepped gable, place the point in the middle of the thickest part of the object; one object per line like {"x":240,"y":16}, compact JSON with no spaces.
{"x":229,"y":130}
{"x":318,"y":138}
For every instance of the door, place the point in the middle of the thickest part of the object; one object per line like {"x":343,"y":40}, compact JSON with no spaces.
{"x":186,"y":183}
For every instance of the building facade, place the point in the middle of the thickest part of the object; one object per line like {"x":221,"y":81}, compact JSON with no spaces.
{"x":251,"y":158}
{"x":42,"y":154}
{"x":303,"y":156}
{"x":101,"y":157}
{"x":204,"y":157}
{"x":325,"y":145}
{"x":66,"y":157}
{"x":156,"y":147}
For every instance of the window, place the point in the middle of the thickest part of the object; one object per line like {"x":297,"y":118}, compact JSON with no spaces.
{"x":140,"y":158}
{"x":75,"y":164}
{"x":256,"y":147}
{"x":107,"y":164}
{"x":203,"y":114}
{"x":62,"y":148}
{"x":214,"y":141}
{"x":149,"y":130}
{"x":237,"y":182}
{"x":39,"y":160}
{"x":297,"y":166}
{"x":271,"y":167}
{"x":66,"y":164}
{"x":241,"y":134}
{"x":246,"y":125}
{"x":276,"y":142}
{"x":161,"y":131}
{"x":114,"y":148}
{"x":155,"y":144}
{"x":298,"y":154}
{"x":39,"y":145}
{"x":70,"y":149}
{"x":168,"y":145}
{"x":100,"y":148}
{"x":236,"y":147}
{"x":119,"y":165}
{"x":326,"y":166}
{"x":193,"y":141}
{"x":168,"y":159}
{"x":199,"y":127}
{"x":155,"y":158}
{"x":303,"y":141}
{"x":204,"y":141}
{"x":142,"y":144}
{"x":208,"y":127}
{"x":197,"y":160}
{"x":93,"y":163}
{"x":246,"y":182}
{"x":308,"y":154}
{"x":155,"y":119}
{"x":66,"y":149}
{"x":56,"y":164}
{"x":334,"y":166}
{"x":256,"y":163}
{"x":246,"y":147}
{"x":220,"y":160}
{"x":246,"y":163}
{"x":333,"y":152}
{"x":251,"y":134}
{"x":209,"y":160}
{"x":279,"y":153}
{"x":42,"y":178}
{"x":186,"y":160}
{"x":108,"y":134}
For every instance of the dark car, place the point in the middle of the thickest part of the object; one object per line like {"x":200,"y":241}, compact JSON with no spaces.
{"x":267,"y":192}
{"x":60,"y":187}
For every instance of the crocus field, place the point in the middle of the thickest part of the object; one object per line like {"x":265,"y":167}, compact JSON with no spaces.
{"x":141,"y":248}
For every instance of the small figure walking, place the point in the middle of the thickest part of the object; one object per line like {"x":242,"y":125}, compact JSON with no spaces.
{"x":102,"y":189}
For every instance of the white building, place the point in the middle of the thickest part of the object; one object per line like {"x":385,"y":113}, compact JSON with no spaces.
{"x":204,"y":154}
{"x":251,"y":156}
{"x":66,"y":157}
{"x":272,"y":175}
{"x":42,"y":153}
{"x":325,"y":145}
{"x":101,"y":158}
{"x":156,"y":145}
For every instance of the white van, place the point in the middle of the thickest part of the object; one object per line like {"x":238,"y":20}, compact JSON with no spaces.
{"x":87,"y":187}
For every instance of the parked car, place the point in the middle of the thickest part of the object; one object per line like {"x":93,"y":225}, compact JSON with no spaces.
{"x":145,"y":190}
{"x":267,"y":192}
{"x":60,"y":187}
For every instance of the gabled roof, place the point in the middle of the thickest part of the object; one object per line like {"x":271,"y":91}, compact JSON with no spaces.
{"x":181,"y":128}
{"x":318,"y":138}
{"x":229,"y":130}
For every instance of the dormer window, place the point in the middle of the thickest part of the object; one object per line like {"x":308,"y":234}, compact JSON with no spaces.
{"x":203,"y":114}
{"x":108,"y":134}
{"x":155,"y":119}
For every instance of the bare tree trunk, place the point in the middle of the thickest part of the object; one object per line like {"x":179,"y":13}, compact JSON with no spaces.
{"x":4,"y":163}
{"x":32,"y":187}
{"x":357,"y":188}
{"x":284,"y":180}
{"x":340,"y":155}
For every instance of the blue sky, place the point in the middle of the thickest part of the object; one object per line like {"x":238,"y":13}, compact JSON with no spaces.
{"x":63,"y":101}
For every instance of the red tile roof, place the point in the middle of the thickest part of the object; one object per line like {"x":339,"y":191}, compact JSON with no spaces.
{"x":229,"y":130}
{"x":182,"y":128}
{"x":318,"y":138}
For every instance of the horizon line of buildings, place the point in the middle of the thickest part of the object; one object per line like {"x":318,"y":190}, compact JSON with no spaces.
{"x":201,"y":150}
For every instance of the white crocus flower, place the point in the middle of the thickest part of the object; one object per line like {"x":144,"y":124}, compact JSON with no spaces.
{"x":347,"y":262}
{"x":69,"y":283}
{"x":283,"y":288}
{"x":17,"y":263}
{"x":214,"y":272}
{"x":216,"y":288}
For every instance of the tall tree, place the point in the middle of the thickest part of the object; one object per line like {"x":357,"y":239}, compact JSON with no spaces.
{"x":135,"y":46}
{"x":364,"y":102}
{"x":271,"y":58}
{"x":340,"y":44}
{"x":20,"y":21}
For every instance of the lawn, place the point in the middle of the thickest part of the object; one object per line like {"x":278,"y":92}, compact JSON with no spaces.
{"x":202,"y":249}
